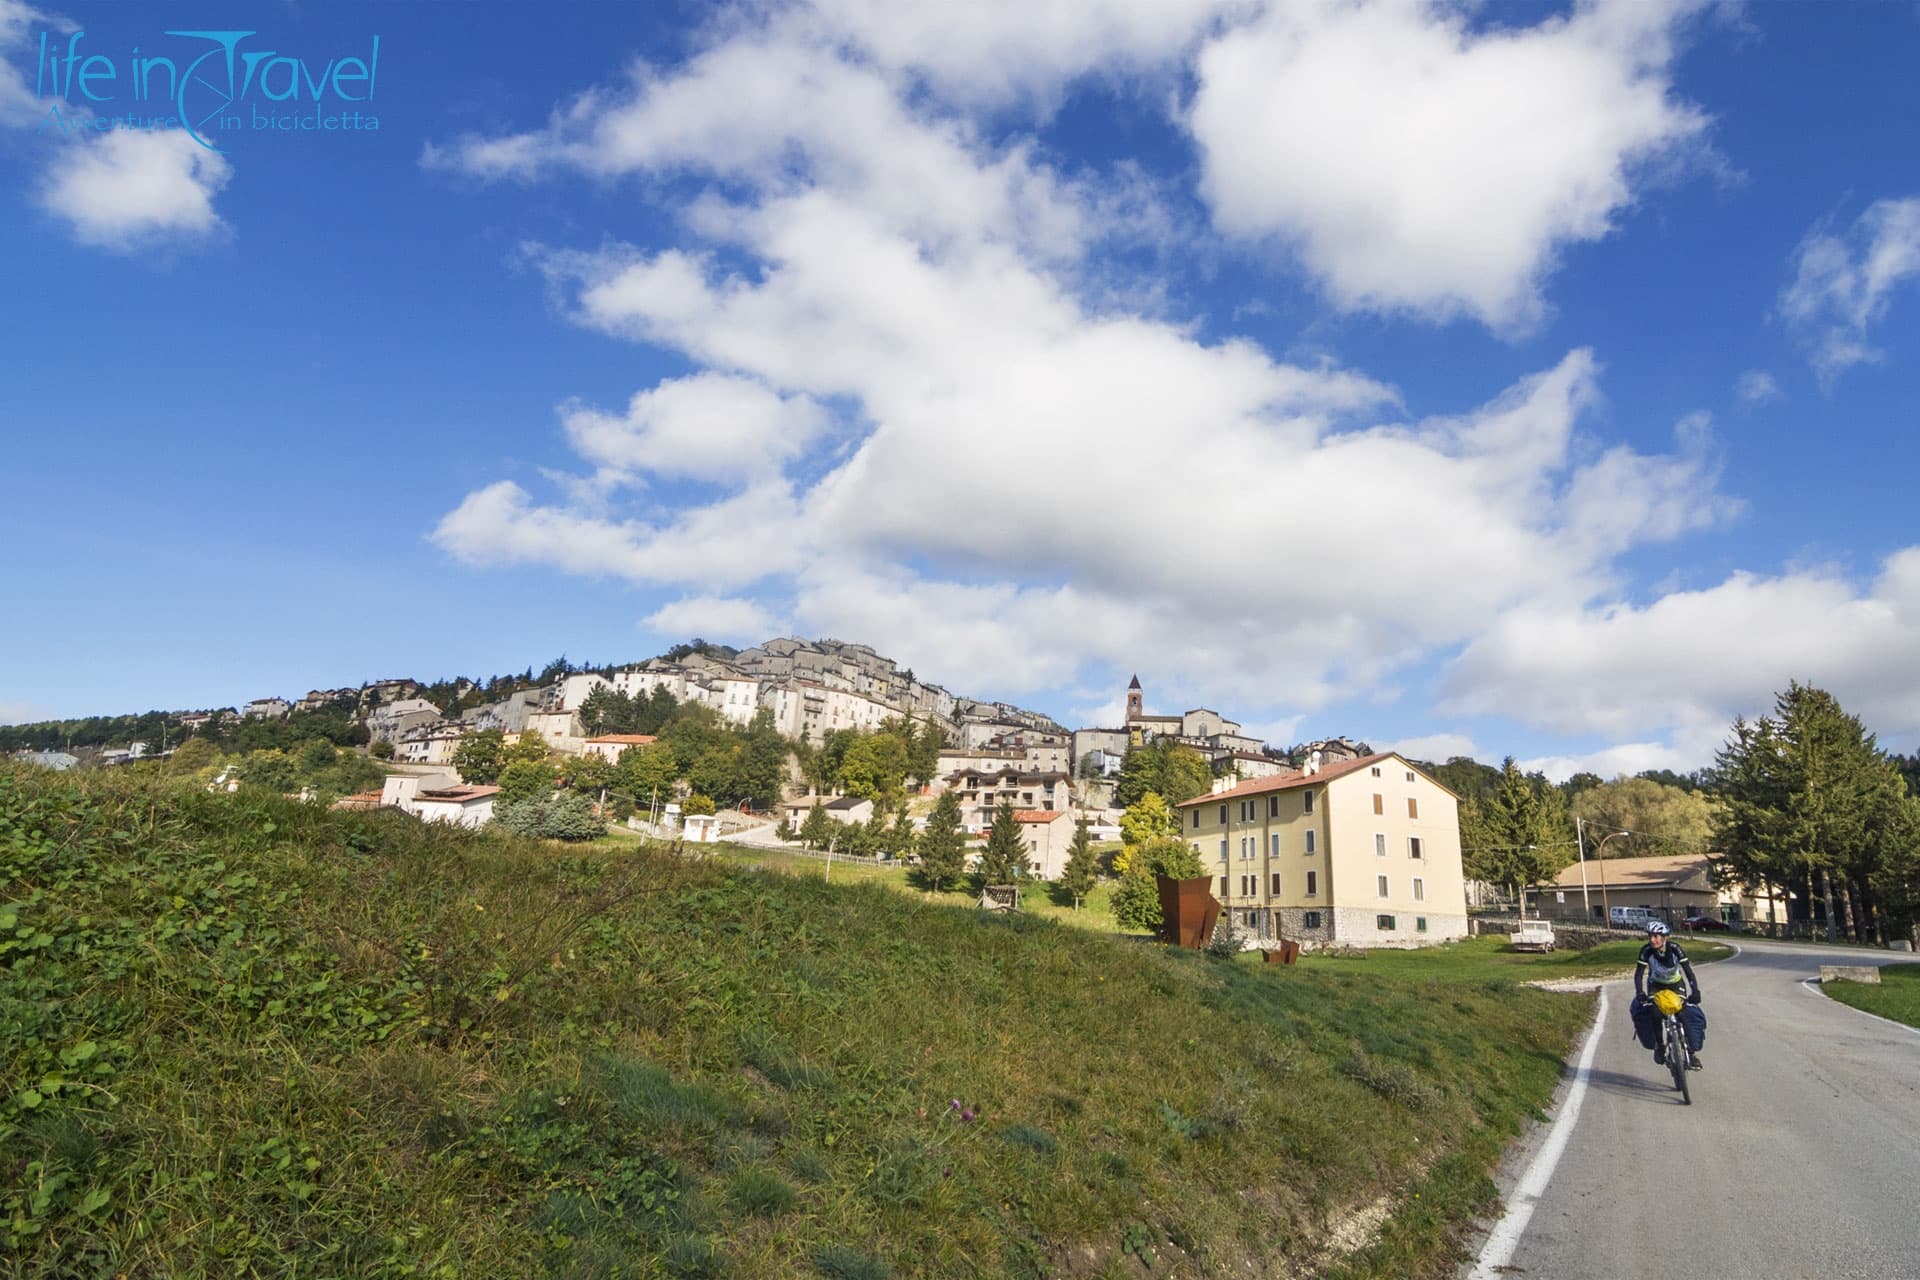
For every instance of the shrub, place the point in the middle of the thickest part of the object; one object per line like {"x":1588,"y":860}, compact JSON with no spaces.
{"x":568,"y":816}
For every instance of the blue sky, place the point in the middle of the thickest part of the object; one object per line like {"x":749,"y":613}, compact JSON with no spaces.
{"x":1498,"y":379}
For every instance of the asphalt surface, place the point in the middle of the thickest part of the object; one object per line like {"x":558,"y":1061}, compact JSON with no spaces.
{"x":1800,"y":1156}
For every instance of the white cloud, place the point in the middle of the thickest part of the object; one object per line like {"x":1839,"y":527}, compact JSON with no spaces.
{"x":708,"y":427}
{"x":1843,"y":284}
{"x":1628,"y":758}
{"x":1756,"y":386}
{"x":720,"y":618}
{"x":1688,"y":662}
{"x":121,"y":190}
{"x":1415,"y":161}
{"x":1037,"y":483}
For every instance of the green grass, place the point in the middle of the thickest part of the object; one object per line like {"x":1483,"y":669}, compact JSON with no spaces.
{"x":1896,"y":997}
{"x":1094,"y":912}
{"x":1491,"y":957}
{"x":240,"y":1036}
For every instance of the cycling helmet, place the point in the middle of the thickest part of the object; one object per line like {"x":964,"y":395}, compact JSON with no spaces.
{"x":1657,"y":929}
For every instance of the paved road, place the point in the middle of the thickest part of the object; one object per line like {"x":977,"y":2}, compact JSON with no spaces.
{"x":1800,"y":1156}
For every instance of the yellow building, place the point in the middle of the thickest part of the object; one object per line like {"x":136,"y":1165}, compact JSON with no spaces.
{"x":1365,"y":852}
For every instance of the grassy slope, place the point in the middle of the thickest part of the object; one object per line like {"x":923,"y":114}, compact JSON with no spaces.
{"x":1897,"y":996}
{"x":245,"y":1037}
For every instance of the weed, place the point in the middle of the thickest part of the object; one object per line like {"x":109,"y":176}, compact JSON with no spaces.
{"x":761,"y":1192}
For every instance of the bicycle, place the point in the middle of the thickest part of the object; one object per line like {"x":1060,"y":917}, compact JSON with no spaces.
{"x":1674,"y":1037}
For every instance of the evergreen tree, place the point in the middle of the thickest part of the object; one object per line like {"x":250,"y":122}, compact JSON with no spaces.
{"x":817,"y":829}
{"x":1076,"y":879}
{"x":943,"y":849}
{"x":1005,"y":859}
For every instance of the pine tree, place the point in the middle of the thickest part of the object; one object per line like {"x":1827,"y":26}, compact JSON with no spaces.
{"x":943,"y":850}
{"x":1005,"y":859}
{"x":1076,"y":879}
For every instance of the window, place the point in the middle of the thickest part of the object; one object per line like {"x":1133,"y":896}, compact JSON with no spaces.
{"x":1249,"y":885}
{"x":1276,"y":884}
{"x":1223,"y":886}
{"x":1273,"y":806}
{"x":1382,"y":882}
{"x":1376,"y":771}
{"x":1196,"y":819}
{"x":1379,"y":844}
{"x":1419,"y":889}
{"x":1413,"y":807}
{"x":1223,"y":815}
{"x":1310,"y":920}
{"x":1413,"y":847}
{"x":1383,"y":923}
{"x":1419,"y":924}
{"x":1306,"y":801}
{"x":1223,"y":848}
{"x":1274,"y":844}
{"x":1379,"y":803}
{"x":1313,"y":884}
{"x":1310,"y":836}
{"x":1409,"y":775}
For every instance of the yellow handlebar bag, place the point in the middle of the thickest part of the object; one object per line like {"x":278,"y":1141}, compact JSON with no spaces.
{"x":1668,"y":1001}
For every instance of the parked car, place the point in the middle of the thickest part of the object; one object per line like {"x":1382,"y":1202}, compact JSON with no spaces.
{"x":1704,"y":924}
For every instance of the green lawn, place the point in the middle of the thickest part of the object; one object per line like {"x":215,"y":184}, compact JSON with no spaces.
{"x":1490,"y":956}
{"x":242,"y":1036}
{"x":1897,"y":996}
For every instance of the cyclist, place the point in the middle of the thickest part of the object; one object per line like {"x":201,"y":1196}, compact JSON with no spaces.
{"x":1662,"y":964}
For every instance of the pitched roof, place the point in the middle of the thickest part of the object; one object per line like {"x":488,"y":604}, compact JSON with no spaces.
{"x":844,"y":803}
{"x":1135,"y":684}
{"x":631,"y":739}
{"x":1669,"y":870}
{"x":1038,"y":815}
{"x":1288,"y":781}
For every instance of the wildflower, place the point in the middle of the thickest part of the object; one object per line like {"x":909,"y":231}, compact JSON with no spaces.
{"x":953,"y":1104}
{"x":967,"y":1115}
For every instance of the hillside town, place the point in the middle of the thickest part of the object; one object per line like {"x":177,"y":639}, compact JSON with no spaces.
{"x":1325,"y":843}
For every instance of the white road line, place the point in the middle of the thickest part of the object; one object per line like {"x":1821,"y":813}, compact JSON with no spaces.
{"x":1506,"y":1234}
{"x":1812,"y":987}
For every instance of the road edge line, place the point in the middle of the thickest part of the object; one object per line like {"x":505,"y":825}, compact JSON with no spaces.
{"x":1505,"y":1236}
{"x":1812,"y":987}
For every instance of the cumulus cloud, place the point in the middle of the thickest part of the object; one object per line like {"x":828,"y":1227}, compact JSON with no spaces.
{"x":965,"y":456}
{"x":708,"y":427}
{"x":1844,"y":283}
{"x":121,"y":190}
{"x":722,"y":618}
{"x":1689,"y":661}
{"x":1414,"y":161}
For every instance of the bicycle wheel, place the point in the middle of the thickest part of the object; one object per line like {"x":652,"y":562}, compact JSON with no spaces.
{"x":1677,"y":1060}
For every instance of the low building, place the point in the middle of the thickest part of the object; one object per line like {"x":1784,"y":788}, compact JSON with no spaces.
{"x":560,"y":729}
{"x":1365,"y":852}
{"x":1671,"y":887}
{"x":266,"y":709}
{"x":610,"y":746}
{"x":1047,"y":835}
{"x":429,"y":746}
{"x":848,"y":809}
{"x":466,"y":806}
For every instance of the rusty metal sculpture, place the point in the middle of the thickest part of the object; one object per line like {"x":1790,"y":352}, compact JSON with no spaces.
{"x":1188,"y":911}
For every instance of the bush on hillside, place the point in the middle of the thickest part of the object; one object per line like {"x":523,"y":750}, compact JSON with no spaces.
{"x":566,"y":816}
